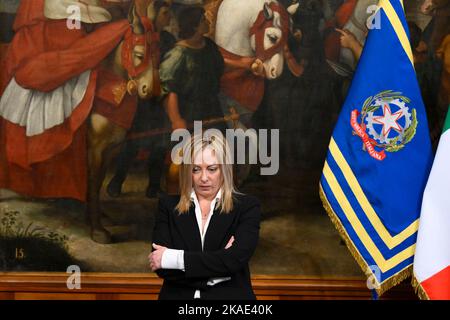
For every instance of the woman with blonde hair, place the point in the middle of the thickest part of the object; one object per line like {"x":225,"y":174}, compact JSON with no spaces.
{"x":204,"y":238}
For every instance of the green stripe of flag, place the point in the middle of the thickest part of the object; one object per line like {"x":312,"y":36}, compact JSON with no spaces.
{"x":447,"y":121}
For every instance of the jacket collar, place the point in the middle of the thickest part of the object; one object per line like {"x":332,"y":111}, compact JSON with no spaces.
{"x":195,"y":199}
{"x":217,"y":229}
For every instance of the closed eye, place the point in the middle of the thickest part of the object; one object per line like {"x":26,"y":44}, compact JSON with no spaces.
{"x":138,"y":55}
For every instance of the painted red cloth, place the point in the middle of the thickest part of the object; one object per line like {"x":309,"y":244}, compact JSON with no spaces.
{"x":43,"y":55}
{"x":25,"y":168}
{"x":332,"y":41}
{"x":121,"y":115}
{"x":29,"y":13}
{"x":3,"y":76}
{"x":62,"y":176}
{"x":345,"y":12}
{"x":112,"y":101}
{"x":61,"y":54}
{"x":241,"y":84}
{"x":332,"y":46}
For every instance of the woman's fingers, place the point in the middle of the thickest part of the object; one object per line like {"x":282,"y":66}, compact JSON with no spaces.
{"x":155,"y":256}
{"x":152,"y":260}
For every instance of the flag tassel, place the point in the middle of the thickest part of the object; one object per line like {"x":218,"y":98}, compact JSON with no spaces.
{"x":418,"y":289}
{"x":388,"y":283}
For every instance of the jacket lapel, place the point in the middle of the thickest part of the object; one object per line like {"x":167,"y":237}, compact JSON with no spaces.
{"x":217,"y":230}
{"x":188,"y":227}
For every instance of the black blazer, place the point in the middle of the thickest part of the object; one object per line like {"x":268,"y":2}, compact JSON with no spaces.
{"x":176,"y":231}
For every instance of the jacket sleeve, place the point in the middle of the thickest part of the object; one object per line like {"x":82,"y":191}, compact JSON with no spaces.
{"x":225,"y":262}
{"x":161,"y":236}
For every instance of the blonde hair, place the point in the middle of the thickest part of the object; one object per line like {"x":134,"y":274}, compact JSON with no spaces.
{"x":215,"y":140}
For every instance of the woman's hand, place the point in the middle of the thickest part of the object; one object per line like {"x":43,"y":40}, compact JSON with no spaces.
{"x":230,"y":243}
{"x":155,"y":257}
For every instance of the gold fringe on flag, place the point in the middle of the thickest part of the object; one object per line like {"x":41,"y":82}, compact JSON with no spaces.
{"x":418,"y":289}
{"x":381,"y":287}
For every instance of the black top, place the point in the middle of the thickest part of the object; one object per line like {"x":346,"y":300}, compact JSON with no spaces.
{"x":194,"y":75}
{"x":180,"y":231}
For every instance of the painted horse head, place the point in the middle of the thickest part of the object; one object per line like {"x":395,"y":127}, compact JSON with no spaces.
{"x":269,"y":36}
{"x":136,"y":57}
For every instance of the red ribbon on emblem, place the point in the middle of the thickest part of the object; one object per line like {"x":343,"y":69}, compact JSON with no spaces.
{"x":368,"y":142}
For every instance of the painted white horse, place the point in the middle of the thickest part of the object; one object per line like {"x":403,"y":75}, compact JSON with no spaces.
{"x":234,"y":23}
{"x":252,"y":36}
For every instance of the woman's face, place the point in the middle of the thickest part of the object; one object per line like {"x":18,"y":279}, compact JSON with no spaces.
{"x":206,"y":174}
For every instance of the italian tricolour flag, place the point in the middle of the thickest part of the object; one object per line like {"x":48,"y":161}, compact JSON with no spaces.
{"x":432,"y":258}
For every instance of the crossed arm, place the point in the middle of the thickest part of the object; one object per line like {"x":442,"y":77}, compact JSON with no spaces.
{"x":201,"y":266}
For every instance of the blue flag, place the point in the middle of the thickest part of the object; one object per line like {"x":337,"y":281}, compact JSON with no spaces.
{"x":380,"y":155}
